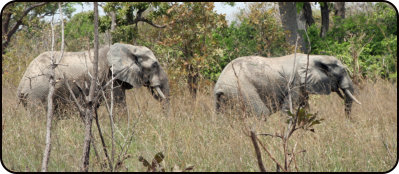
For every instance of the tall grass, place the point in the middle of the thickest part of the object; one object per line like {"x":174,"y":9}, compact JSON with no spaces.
{"x":194,"y":134}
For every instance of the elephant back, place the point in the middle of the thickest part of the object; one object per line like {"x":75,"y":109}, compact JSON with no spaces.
{"x":74,"y":66}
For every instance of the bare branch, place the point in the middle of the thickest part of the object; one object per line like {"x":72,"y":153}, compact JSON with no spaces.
{"x":111,"y":81}
{"x":103,"y":143}
{"x":270,"y":155}
{"x":50,"y":105}
{"x":257,"y":152}
{"x":91,"y":105}
{"x":276,"y":135}
{"x":62,"y":34}
{"x":142,"y":19}
{"x":8,"y":34}
{"x":80,"y":108}
{"x":151,"y":23}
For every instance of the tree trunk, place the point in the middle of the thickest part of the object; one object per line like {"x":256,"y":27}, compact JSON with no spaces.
{"x":339,"y":9}
{"x":50,"y":97}
{"x":90,"y":108}
{"x":113,"y":23}
{"x":290,"y":21}
{"x":307,"y":13}
{"x":324,"y":18}
{"x":192,"y":80}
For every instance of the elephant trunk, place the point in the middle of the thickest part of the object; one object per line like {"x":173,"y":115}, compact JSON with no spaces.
{"x":349,"y":98}
{"x":346,"y":86}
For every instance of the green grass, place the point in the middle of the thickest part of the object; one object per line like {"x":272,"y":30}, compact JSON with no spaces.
{"x":194,"y":134}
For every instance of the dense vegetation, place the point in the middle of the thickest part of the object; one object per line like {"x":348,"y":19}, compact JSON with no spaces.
{"x":196,"y":43}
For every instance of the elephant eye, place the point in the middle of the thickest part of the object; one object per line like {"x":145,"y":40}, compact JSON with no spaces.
{"x":154,"y":65}
{"x":138,"y":59}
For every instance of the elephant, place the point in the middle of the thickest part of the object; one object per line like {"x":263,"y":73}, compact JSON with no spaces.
{"x":132,"y":67}
{"x":261,"y":84}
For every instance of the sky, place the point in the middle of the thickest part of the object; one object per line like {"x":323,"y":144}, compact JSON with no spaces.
{"x":230,"y":11}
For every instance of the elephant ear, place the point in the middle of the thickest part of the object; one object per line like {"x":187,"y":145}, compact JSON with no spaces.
{"x":126,"y":63}
{"x":318,"y":80}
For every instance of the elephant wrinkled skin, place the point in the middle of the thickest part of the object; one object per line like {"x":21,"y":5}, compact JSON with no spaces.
{"x":137,"y":64}
{"x":260,"y":83}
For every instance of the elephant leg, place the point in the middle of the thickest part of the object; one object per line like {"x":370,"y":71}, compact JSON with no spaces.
{"x":220,"y":102}
{"x":253,"y":102}
{"x":119,"y":94}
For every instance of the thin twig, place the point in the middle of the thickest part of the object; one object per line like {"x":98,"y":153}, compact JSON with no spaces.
{"x":103,"y":143}
{"x":257,"y":152}
{"x":270,"y":155}
{"x":50,"y":104}
{"x":111,"y":119}
{"x":111,"y":81}
{"x":91,"y":105}
{"x":80,"y":108}
{"x":291,"y":79}
{"x":274,"y":136}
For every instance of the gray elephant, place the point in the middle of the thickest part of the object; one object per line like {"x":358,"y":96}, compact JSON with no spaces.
{"x":133,"y":67}
{"x":260,"y":83}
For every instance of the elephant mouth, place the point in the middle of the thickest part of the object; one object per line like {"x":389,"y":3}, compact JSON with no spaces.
{"x":147,"y":84}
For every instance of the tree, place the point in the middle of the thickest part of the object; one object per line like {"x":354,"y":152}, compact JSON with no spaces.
{"x":91,"y":104}
{"x":339,"y":9}
{"x":266,"y":31}
{"x":307,"y":13}
{"x":292,"y":22}
{"x":325,"y":18}
{"x":189,"y":29}
{"x":19,"y":14}
{"x":79,"y":30}
{"x":12,"y":19}
{"x":125,"y":16}
{"x":50,"y":98}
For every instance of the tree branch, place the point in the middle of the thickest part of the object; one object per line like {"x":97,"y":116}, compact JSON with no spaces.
{"x":80,"y":108}
{"x":270,"y":155}
{"x":257,"y":152}
{"x":18,"y":22}
{"x":139,"y":18}
{"x":151,"y":23}
{"x":103,"y":143}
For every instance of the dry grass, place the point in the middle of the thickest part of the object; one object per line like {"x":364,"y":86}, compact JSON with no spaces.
{"x":194,"y":134}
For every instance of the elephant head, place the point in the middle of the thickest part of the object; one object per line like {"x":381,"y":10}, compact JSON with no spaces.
{"x":137,"y":66}
{"x":327,"y":74}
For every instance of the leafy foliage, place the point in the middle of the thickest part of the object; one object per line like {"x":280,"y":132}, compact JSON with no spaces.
{"x":79,"y":31}
{"x":303,"y":119}
{"x":128,"y":14}
{"x":365,"y":42}
{"x":256,"y":32}
{"x":190,"y":31}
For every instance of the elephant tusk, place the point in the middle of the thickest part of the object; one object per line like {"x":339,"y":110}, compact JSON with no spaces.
{"x":160,"y":92}
{"x":339,"y":94}
{"x":347,"y":92}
